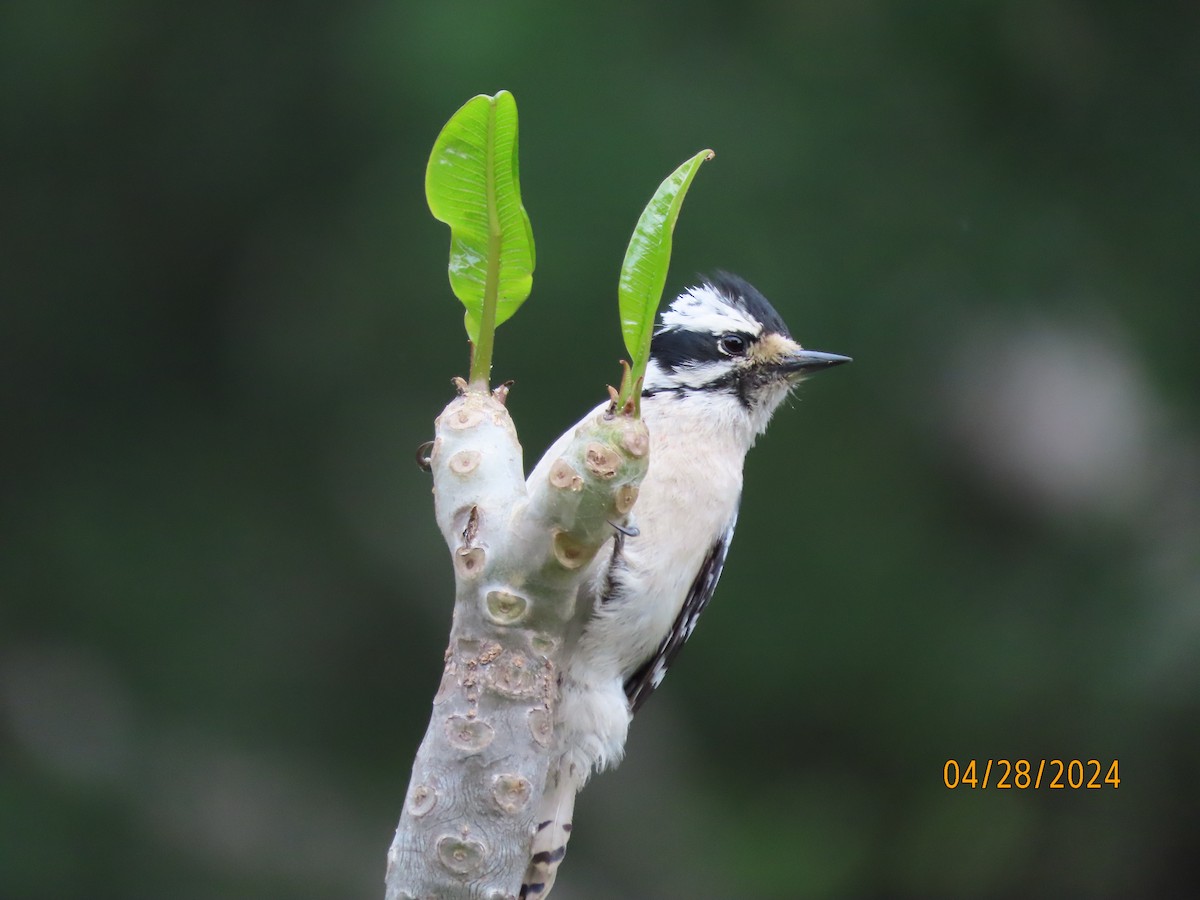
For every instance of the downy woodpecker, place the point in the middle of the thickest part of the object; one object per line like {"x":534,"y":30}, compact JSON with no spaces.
{"x":721,"y":362}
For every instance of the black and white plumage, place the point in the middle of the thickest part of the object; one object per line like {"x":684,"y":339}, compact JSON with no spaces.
{"x":642,"y":683}
{"x":722,"y":360}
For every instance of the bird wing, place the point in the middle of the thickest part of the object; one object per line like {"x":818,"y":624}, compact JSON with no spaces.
{"x":649,"y":675}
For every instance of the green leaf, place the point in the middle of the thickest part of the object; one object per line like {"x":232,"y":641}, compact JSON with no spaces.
{"x":644,"y":272}
{"x":472,"y":183}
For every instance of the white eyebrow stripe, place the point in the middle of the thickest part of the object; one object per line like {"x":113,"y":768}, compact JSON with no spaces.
{"x":703,"y":308}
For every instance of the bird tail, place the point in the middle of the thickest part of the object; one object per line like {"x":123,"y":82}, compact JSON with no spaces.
{"x":550,"y":839}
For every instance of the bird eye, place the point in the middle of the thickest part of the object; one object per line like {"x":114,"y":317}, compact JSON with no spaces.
{"x":732,"y":344}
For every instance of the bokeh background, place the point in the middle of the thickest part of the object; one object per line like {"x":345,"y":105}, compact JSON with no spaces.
{"x":226,"y":327}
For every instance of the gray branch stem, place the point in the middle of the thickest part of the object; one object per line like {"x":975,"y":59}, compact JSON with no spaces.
{"x":520,"y":553}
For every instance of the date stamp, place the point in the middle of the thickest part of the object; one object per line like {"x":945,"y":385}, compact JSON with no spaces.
{"x":1026,"y":774}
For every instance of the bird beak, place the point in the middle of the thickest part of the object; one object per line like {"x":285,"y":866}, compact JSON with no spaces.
{"x":801,"y":362}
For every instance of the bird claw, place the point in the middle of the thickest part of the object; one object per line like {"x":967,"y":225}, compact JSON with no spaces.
{"x":424,"y":457}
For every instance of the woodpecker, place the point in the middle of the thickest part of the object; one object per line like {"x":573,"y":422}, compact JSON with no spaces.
{"x":721,"y":361}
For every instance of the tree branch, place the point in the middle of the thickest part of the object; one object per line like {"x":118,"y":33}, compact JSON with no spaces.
{"x":520,"y":552}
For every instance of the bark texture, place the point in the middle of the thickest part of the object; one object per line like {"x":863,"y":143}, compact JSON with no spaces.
{"x":519,"y":553}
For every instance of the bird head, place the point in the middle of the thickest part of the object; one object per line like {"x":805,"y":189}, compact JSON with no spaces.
{"x":722,"y":342}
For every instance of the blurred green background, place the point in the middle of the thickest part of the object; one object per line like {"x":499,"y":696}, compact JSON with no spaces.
{"x":226,"y":327}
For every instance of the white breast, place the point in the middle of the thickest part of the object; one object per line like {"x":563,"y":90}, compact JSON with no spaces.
{"x":687,"y":501}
